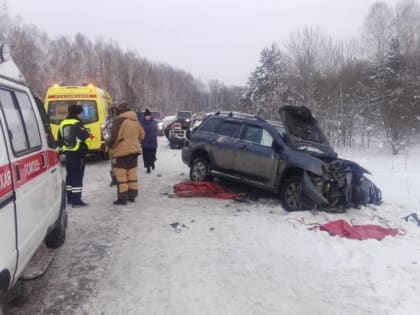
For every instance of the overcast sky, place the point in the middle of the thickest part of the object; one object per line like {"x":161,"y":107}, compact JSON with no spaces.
{"x":212,"y":39}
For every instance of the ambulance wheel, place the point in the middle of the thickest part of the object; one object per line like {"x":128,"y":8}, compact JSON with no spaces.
{"x":57,"y":237}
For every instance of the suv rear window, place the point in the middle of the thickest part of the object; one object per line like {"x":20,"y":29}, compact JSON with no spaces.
{"x":230,"y":129}
{"x":210,"y":125}
{"x":258,"y":135}
{"x":184,"y":114}
{"x":156,"y":115}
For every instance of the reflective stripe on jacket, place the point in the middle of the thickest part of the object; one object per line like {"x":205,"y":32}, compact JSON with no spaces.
{"x":79,"y":134}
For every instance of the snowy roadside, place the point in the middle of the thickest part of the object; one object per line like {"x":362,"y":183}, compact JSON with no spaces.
{"x":232,"y":258}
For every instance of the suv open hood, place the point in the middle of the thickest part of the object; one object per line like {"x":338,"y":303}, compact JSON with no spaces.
{"x":303,"y":128}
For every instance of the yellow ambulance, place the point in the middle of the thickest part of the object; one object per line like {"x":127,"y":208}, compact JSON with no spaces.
{"x":95,"y":103}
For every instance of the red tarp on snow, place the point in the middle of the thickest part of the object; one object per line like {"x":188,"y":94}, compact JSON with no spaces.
{"x":203,"y":189}
{"x":358,"y":232}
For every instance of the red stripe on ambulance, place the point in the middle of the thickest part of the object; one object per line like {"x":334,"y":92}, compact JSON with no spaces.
{"x":6,"y":183}
{"x":26,"y":169}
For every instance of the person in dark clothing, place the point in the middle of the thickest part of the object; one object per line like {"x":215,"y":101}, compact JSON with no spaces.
{"x":149,"y":143}
{"x":71,"y":139}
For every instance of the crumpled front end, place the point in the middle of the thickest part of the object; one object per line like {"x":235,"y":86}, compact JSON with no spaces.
{"x":342,"y":185}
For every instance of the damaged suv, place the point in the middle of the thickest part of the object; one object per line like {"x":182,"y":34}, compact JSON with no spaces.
{"x":291,"y":158}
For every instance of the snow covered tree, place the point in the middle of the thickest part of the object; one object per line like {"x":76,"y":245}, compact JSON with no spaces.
{"x":268,"y":84}
{"x":397,"y":97}
{"x":378,"y":30}
{"x":407,"y":26}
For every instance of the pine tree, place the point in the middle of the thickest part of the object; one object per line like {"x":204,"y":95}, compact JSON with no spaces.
{"x":397,"y":97}
{"x":267,"y":86}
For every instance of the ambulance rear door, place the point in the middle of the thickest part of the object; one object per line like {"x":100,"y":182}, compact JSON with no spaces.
{"x":8,"y":230}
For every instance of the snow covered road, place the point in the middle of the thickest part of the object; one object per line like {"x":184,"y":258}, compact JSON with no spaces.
{"x":229,"y":257}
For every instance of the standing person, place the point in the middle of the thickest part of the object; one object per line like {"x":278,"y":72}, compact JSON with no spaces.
{"x":71,"y":138}
{"x":149,"y":144}
{"x":106,"y":133}
{"x":126,"y":134}
{"x":108,"y":122}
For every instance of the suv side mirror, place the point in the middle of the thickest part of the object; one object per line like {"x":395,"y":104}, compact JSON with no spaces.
{"x":277,"y":146}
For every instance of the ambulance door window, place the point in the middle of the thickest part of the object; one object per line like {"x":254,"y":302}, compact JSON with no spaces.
{"x":44,"y":118}
{"x":29,"y":118}
{"x":15,"y":128}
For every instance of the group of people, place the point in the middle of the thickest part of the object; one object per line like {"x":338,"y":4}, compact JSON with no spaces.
{"x":127,"y":138}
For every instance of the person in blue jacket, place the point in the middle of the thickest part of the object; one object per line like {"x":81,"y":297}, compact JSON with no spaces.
{"x":149,"y":143}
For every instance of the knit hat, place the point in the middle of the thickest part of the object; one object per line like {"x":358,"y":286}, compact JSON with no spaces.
{"x":75,"y":110}
{"x":147,"y":113}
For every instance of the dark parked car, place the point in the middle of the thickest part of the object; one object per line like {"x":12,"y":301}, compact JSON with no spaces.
{"x":291,"y":158}
{"x":156,"y":116}
{"x":185,"y":118}
{"x":167,"y":122}
{"x":177,"y":135}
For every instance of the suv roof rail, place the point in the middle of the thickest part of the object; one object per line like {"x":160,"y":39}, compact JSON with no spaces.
{"x":239,"y":115}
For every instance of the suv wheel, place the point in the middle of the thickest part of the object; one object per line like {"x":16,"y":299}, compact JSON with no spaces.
{"x":200,"y":170}
{"x":290,"y":194}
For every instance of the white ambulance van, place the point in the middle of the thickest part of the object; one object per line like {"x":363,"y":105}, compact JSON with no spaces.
{"x":32,"y":203}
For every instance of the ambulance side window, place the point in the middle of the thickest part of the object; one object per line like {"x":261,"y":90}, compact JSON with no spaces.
{"x":21,"y":121}
{"x":14,"y":123}
{"x":29,"y":118}
{"x":45,"y":122}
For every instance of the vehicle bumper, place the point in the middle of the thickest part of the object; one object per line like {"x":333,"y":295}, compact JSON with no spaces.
{"x":99,"y":148}
{"x":312,"y":193}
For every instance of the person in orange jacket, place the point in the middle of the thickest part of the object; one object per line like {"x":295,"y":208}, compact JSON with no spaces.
{"x":124,"y":144}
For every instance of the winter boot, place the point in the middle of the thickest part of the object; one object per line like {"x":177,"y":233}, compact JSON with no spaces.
{"x":120,"y":202}
{"x":79,"y":204}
